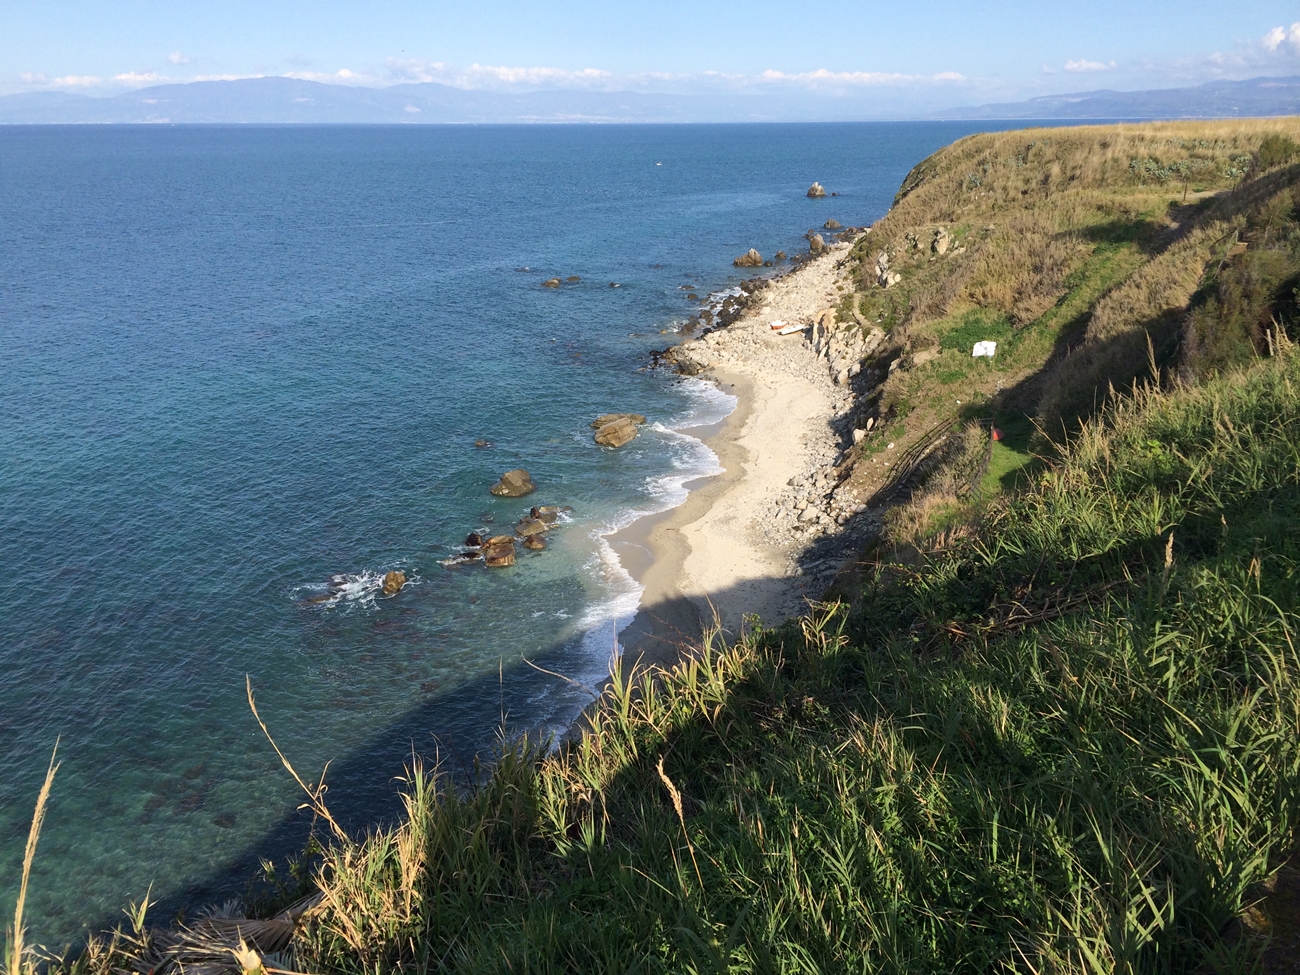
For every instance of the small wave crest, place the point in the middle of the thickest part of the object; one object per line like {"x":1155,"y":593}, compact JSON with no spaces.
{"x":690,"y":459}
{"x":348,"y":589}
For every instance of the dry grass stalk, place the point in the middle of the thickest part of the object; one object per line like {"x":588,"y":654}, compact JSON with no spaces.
{"x":16,"y":949}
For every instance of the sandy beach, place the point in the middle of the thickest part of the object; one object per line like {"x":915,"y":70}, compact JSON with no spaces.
{"x":731,"y":550}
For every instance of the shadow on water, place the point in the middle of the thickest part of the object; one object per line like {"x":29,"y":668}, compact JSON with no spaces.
{"x":363,"y":786}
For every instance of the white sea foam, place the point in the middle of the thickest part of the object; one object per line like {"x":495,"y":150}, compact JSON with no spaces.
{"x":350,"y":589}
{"x":690,"y":459}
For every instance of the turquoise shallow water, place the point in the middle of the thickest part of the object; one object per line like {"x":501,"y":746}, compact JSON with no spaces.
{"x":235,"y":362}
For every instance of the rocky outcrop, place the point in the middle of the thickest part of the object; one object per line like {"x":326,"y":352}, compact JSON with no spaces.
{"x":514,"y":484}
{"x":816,"y":191}
{"x":832,"y":224}
{"x":604,"y":418}
{"x":530,"y":526}
{"x":393,"y":582}
{"x":552,"y":283}
{"x":499,"y":551}
{"x":617,"y":429}
{"x":942,"y":241}
{"x":750,"y":258}
{"x":816,"y":244}
{"x":884,"y":276}
{"x":534,"y":542}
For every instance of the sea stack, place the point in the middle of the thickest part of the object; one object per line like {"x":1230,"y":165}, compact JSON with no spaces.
{"x":816,"y":191}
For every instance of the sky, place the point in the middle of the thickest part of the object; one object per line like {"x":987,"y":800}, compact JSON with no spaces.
{"x":894,"y":54}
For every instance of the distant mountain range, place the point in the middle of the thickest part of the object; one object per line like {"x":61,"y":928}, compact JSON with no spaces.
{"x":1216,"y":99}
{"x":281,"y":100}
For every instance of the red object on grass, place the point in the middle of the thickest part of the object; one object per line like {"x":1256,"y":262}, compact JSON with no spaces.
{"x":997,"y":434}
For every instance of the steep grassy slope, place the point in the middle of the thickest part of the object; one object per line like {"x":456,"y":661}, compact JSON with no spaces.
{"x":1085,"y":254}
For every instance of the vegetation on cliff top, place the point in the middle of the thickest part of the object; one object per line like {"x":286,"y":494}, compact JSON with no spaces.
{"x":1061,"y":734}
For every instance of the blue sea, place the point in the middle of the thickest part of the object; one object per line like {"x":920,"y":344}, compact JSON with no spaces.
{"x":243,"y":371}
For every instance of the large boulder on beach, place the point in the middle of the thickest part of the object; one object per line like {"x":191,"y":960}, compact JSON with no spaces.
{"x":816,"y":191}
{"x":617,"y":432}
{"x":816,"y":244}
{"x":393,"y":582}
{"x":514,"y":484}
{"x":750,"y":258}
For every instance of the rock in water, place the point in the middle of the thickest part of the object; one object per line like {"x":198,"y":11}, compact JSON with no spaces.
{"x":552,"y":283}
{"x":573,"y":279}
{"x":816,"y":191}
{"x":831,"y":225}
{"x":750,"y":258}
{"x":534,"y":542}
{"x":393,"y":583}
{"x":499,"y":551}
{"x":547,"y":513}
{"x":604,"y":418}
{"x":514,"y":484}
{"x":530,"y":526}
{"x":815,"y":243}
{"x":616,"y":433}
{"x":473,"y":540}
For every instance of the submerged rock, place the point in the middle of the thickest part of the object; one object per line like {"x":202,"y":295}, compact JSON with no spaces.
{"x":832,"y":225}
{"x":393,"y":582}
{"x":816,"y":191}
{"x":534,"y":542}
{"x":530,"y":526}
{"x":750,"y":258}
{"x":514,"y":484}
{"x":604,"y":418}
{"x":552,"y":283}
{"x":573,"y":279}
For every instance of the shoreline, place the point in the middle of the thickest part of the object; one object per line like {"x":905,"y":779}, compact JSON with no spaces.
{"x":725,"y":554}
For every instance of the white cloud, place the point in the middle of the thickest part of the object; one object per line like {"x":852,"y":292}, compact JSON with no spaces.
{"x":856,"y":78}
{"x":1083,"y":66}
{"x":412,"y":109}
{"x":342,"y":76}
{"x":33,"y":78}
{"x":1278,"y":36}
{"x":176,"y":57}
{"x":496,"y":76}
{"x":135,"y":78}
{"x":77,"y":81}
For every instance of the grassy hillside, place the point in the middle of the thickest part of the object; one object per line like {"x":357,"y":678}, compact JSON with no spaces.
{"x":1084,"y":253}
{"x":1059,"y":731}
